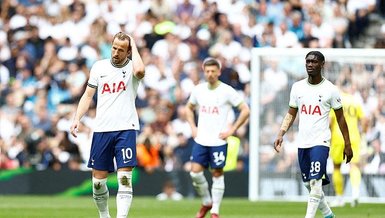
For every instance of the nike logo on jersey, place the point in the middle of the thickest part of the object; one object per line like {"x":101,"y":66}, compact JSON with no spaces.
{"x":102,"y":76}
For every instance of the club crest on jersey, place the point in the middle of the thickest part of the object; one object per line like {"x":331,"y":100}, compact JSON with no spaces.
{"x":209,"y":109}
{"x":124,"y":74}
{"x":311,"y":109}
{"x":114,"y":87}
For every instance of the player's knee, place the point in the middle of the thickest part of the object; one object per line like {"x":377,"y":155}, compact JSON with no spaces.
{"x":195,"y":175}
{"x":198,"y":178}
{"x":316,"y":187}
{"x":307,"y":185}
{"x":124,"y":180}
{"x":99,"y":189}
{"x":217,"y":172}
{"x":98,"y":184}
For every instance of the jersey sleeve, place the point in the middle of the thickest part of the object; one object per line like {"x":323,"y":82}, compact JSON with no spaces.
{"x":293,"y":97}
{"x":336,"y":102}
{"x":93,"y":80}
{"x":235,"y":98}
{"x":193,"y":99}
{"x":360,"y":111}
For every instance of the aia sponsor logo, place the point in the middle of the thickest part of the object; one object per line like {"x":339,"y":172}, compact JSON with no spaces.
{"x":209,"y":109}
{"x":114,"y":87}
{"x":311,"y":110}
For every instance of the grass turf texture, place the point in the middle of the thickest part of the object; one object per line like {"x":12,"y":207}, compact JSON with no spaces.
{"x":64,"y":207}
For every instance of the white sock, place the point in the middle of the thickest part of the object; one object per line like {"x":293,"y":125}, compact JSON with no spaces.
{"x":101,"y":195}
{"x":202,"y":187}
{"x":217,"y":191}
{"x":314,"y":198}
{"x":323,"y":205}
{"x":124,"y":196}
{"x":355,"y":193}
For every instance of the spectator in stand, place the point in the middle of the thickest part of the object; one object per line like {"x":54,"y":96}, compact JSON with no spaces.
{"x":376,"y":159}
{"x":6,"y":163}
{"x":182,"y":151}
{"x":358,"y":14}
{"x":148,"y":155}
{"x":296,"y":24}
{"x":169,"y":193}
{"x":308,"y":40}
{"x":322,"y":30}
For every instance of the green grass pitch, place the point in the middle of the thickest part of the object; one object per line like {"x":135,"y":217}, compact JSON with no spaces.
{"x":146,"y":207}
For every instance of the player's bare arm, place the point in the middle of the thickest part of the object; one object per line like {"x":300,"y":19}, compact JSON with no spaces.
{"x":242,"y":118}
{"x":83,"y":106}
{"x":364,"y":122}
{"x":137,"y":62}
{"x":190,"y":118}
{"x":348,"y":153}
{"x":286,"y":124}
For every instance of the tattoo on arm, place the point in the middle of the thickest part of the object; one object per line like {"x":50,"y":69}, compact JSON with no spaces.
{"x":286,"y":122}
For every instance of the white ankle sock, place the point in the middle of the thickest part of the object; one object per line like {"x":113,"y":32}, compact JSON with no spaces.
{"x":217,"y":191}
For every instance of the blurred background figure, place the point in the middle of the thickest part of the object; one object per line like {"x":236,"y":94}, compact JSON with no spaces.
{"x":357,"y":124}
{"x":169,"y":193}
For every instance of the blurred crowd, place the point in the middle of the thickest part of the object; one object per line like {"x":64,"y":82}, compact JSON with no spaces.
{"x":47,"y":48}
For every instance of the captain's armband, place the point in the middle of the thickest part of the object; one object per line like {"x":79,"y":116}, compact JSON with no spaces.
{"x":286,"y":122}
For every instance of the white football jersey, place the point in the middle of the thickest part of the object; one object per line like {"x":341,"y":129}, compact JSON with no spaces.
{"x":213,"y":106}
{"x":116,"y":93}
{"x":314,"y":103}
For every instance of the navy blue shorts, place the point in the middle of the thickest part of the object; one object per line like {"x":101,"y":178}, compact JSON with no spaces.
{"x":106,"y":146}
{"x":215,"y":156}
{"x":312,"y":162}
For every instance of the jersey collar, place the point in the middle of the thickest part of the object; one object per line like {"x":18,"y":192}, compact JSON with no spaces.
{"x":120,"y":66}
{"x":323,"y":79}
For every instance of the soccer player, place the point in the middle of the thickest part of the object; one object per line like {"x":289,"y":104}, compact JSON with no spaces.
{"x":313,"y":98}
{"x":355,"y":119}
{"x":116,"y":81}
{"x":213,"y":100}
